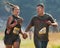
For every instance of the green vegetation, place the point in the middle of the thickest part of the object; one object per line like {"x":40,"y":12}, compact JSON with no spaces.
{"x":55,"y":46}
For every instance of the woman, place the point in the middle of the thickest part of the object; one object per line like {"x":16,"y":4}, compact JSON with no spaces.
{"x":13,"y":29}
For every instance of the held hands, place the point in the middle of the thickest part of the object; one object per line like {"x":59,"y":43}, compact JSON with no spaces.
{"x":24,"y":35}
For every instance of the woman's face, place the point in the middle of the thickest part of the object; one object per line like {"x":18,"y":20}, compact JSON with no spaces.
{"x":16,"y":11}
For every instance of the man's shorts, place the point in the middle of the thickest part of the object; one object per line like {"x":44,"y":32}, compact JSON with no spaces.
{"x":9,"y":40}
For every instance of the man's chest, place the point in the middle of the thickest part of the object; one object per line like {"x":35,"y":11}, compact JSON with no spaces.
{"x":40,"y":21}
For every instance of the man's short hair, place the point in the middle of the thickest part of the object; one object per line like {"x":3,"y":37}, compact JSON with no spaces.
{"x":41,"y":4}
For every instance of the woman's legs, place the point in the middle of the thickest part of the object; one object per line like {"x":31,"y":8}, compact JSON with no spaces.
{"x":16,"y":45}
{"x":8,"y":46}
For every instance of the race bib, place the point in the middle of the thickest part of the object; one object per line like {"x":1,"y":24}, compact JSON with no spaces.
{"x":42,"y":31}
{"x":16,"y":30}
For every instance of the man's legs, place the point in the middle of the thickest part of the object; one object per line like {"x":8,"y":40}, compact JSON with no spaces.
{"x":44,"y":44}
{"x":37,"y":43}
{"x":40,"y":44}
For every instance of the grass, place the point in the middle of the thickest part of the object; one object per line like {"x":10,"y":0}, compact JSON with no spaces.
{"x":55,"y":46}
{"x":27,"y":43}
{"x":1,"y":35}
{"x":54,"y":41}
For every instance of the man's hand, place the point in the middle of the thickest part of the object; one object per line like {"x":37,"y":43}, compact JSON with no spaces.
{"x":53,"y":24}
{"x":48,"y":22}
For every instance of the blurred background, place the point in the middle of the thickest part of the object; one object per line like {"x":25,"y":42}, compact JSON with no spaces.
{"x":28,"y":10}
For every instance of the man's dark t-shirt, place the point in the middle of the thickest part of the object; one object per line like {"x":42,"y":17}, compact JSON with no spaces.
{"x":41,"y":28}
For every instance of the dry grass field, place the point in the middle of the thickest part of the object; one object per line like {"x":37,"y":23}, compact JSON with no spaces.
{"x":54,"y":41}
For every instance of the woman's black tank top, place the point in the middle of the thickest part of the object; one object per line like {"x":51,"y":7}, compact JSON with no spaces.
{"x":14,"y":30}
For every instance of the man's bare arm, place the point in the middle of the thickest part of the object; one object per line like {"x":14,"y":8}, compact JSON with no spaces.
{"x":54,"y":24}
{"x":28,"y":28}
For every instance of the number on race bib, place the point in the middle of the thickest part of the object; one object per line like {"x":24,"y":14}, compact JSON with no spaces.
{"x":42,"y":31}
{"x":16,"y":30}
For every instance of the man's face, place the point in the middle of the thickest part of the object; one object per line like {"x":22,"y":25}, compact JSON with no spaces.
{"x":16,"y":11}
{"x":40,"y":10}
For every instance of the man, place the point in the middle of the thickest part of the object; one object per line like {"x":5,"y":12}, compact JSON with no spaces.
{"x":41,"y":23}
{"x":13,"y":29}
